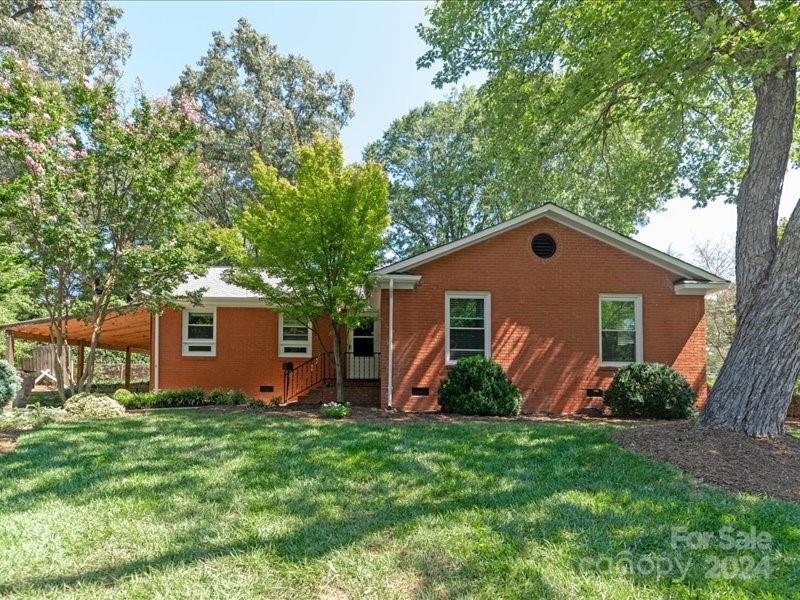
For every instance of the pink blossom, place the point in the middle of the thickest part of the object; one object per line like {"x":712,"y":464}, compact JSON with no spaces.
{"x":35,"y":146}
{"x":36,"y":101}
{"x":34,"y":167}
{"x":83,"y":153}
{"x":190,"y":108}
{"x":5,"y":86}
{"x":80,"y":194}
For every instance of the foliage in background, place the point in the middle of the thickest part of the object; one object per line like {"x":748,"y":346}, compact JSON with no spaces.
{"x":442,"y":180}
{"x":309,"y":248}
{"x":78,"y":38}
{"x":650,"y":391}
{"x":100,"y":203}
{"x":695,"y":98}
{"x":10,"y":383}
{"x":253,"y":98}
{"x":719,"y":258}
{"x":478,"y":386}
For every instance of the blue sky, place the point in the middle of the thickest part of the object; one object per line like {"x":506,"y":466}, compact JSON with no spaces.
{"x":373,"y":45}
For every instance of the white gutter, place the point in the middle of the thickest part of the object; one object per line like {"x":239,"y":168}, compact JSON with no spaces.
{"x":156,"y":344}
{"x":389,"y":368}
{"x":699,"y":288}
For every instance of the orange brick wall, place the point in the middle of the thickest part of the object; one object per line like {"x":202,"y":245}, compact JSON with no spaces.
{"x":544,"y":318}
{"x":247,"y":353}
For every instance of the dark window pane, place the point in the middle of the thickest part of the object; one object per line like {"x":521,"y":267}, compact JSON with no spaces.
{"x":294,"y":350}
{"x":470,"y":339}
{"x":619,"y":346}
{"x":456,"y":354}
{"x":201,"y":332}
{"x":201,"y":318}
{"x":366,"y":328}
{"x":199,"y":348}
{"x":364,"y":346}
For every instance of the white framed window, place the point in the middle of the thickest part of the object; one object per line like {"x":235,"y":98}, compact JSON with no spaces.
{"x":467,"y":325}
{"x":621,"y":339}
{"x":294,"y":337}
{"x":199,"y":331}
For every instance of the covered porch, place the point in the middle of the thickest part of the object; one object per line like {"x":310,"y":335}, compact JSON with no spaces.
{"x":127,"y":330}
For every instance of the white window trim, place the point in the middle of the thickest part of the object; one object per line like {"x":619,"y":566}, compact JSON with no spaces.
{"x":186,"y":341}
{"x":637,"y":313}
{"x":487,"y":320}
{"x":281,"y":342}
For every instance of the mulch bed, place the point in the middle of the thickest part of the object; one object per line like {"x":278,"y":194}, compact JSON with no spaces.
{"x":376,"y":415}
{"x":769,"y":467}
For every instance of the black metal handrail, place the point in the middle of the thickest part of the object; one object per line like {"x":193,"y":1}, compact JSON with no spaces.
{"x":320,"y":369}
{"x":304,"y":376}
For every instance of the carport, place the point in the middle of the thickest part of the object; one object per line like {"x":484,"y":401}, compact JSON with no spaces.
{"x":126,"y":329}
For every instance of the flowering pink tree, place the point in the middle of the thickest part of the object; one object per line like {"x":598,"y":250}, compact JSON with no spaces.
{"x":97,"y":199}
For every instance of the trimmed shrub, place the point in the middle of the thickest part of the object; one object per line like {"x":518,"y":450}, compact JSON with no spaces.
{"x":93,"y":406}
{"x":226,"y":397}
{"x":479,"y":386}
{"x":650,"y":391}
{"x":122,"y":395}
{"x":10,"y":382}
{"x":334,"y":410}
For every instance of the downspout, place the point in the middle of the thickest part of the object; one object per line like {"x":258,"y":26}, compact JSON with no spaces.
{"x":390,"y":366}
{"x":156,"y":344}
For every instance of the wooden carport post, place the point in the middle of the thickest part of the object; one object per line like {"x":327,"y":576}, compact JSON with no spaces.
{"x":10,"y":347}
{"x":128,"y":368}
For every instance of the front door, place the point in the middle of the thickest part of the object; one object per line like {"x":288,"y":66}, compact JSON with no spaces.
{"x":362,"y":360}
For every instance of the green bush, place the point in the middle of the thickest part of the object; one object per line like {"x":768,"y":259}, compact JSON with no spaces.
{"x":93,"y":406}
{"x":31,"y":417}
{"x":183,"y":398}
{"x":334,"y":410}
{"x":122,"y":395}
{"x":650,"y":391}
{"x":10,"y":382}
{"x":478,"y":386}
{"x":226,"y":397}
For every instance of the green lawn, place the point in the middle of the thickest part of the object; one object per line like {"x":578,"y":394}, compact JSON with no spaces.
{"x":187,"y":504}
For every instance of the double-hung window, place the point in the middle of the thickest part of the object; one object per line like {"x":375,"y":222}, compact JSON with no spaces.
{"x":620,"y":329}
{"x":467,"y":318}
{"x":200,"y":332}
{"x":294,"y":338}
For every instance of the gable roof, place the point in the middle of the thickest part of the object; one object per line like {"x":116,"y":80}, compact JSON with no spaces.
{"x":682,"y":269}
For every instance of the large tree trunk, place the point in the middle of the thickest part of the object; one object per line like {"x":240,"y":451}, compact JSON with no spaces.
{"x":755,"y":384}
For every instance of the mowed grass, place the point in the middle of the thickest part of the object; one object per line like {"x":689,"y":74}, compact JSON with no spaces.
{"x":213,"y":505}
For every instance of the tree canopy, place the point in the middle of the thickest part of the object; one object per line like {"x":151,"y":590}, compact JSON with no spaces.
{"x":100,"y":201}
{"x":65,"y":38}
{"x":253,"y":98}
{"x":646,"y":102}
{"x":442,"y":184}
{"x":309,"y":248}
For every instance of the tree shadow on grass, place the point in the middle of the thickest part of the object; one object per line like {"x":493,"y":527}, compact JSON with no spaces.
{"x":522,"y":486}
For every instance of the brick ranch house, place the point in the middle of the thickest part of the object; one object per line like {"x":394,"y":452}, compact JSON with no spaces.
{"x":558,"y":301}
